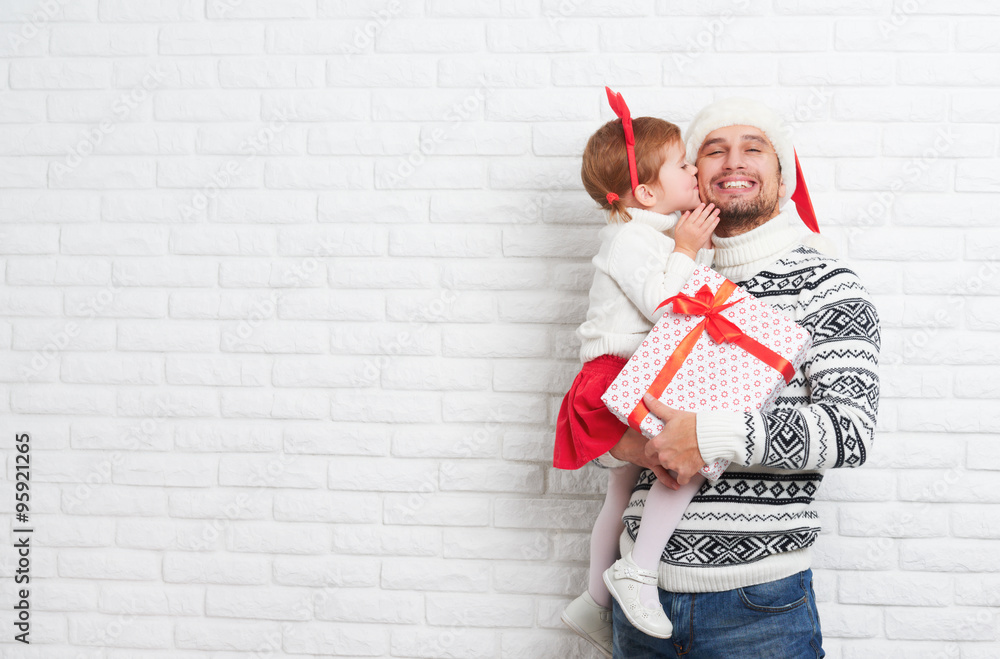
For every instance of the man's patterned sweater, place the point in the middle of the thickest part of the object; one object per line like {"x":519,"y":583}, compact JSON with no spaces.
{"x":758,"y":522}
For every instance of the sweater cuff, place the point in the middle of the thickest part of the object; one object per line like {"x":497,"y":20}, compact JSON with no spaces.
{"x":609,"y":461}
{"x":680,"y":264}
{"x":721,"y":435}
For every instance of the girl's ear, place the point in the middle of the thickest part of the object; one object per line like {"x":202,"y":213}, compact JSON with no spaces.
{"x":644,"y":195}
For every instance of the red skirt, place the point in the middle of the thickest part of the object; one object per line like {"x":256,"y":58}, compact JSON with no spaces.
{"x":586,"y":428}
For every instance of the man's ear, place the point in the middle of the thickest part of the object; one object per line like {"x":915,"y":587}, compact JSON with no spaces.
{"x":781,"y":187}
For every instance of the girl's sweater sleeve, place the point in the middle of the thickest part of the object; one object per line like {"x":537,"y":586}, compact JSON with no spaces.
{"x":643,"y":264}
{"x":836,"y":427}
{"x":650,"y":285}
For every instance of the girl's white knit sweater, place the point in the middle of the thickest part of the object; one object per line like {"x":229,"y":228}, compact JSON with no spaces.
{"x":636,"y":269}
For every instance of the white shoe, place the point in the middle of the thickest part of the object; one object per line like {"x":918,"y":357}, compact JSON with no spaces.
{"x":591,"y":621}
{"x":624,"y":580}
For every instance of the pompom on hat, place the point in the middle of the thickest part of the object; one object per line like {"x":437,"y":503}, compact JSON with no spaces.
{"x":738,"y":111}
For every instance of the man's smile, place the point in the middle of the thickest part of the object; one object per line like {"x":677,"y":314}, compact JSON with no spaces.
{"x":735,"y":185}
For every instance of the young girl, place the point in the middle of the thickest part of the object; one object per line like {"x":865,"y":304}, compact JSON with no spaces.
{"x":638,"y":173}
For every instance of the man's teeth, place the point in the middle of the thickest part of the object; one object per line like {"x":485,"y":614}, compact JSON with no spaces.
{"x":737,"y":184}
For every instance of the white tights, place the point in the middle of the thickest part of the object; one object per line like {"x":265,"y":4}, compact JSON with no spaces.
{"x":660,"y":516}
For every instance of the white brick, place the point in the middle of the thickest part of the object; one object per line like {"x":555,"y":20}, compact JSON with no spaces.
{"x":105,"y":563}
{"x":211,"y":39}
{"x":315,"y":38}
{"x":837,"y":553}
{"x":430,"y":36}
{"x":870,"y":105}
{"x":324,"y":570}
{"x":207,"y":106}
{"x":936,"y":555}
{"x":892,"y":520}
{"x":107,"y":630}
{"x":539,"y":580}
{"x":88,"y":499}
{"x":435,"y":575}
{"x":546,"y":513}
{"x":446,"y":441}
{"x":935,"y":624}
{"x":219,"y":504}
{"x":540,"y":36}
{"x":979,"y":35}
{"x":270,"y":471}
{"x":973,"y":176}
{"x":984,"y":453}
{"x":853,"y":70}
{"x":185,"y":567}
{"x":393,"y":475}
{"x":168,"y":535}
{"x":60,"y":74}
{"x":349,"y":439}
{"x":162,"y":599}
{"x":851,"y":621}
{"x":893,"y":33}
{"x":594,"y":70}
{"x":389,"y":407}
{"x":480,"y":611}
{"x":373,"y":540}
{"x":225,"y":635}
{"x":982,"y":521}
{"x":435,"y":509}
{"x":441,"y":644}
{"x":973,"y":106}
{"x":694,"y":68}
{"x":351,"y":139}
{"x":269,"y":603}
{"x":497,"y":71}
{"x":262,"y":9}
{"x":524,"y":105}
{"x":950,"y":415}
{"x":946,"y":485}
{"x":332,"y":639}
{"x":379,"y":70}
{"x":97,"y":40}
{"x":388,"y":608}
{"x":977,"y":589}
{"x":791,"y":34}
{"x":496,"y":544}
{"x":491,"y":477}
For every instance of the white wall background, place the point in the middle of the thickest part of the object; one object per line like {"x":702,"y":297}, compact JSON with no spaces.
{"x":289,"y":291}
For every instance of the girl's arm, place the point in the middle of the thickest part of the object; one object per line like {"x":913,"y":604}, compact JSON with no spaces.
{"x":649,"y":266}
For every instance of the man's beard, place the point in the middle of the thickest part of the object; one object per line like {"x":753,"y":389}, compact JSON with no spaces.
{"x":739,"y":215}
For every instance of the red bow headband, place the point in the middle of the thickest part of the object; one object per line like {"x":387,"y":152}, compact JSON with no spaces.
{"x":618,"y":105}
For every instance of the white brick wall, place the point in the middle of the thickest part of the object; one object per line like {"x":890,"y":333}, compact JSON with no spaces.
{"x":289,"y":291}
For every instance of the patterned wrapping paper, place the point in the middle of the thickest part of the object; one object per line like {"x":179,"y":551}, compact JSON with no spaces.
{"x":714,"y":376}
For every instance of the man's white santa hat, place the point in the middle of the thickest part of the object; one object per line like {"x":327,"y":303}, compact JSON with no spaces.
{"x":748,"y":112}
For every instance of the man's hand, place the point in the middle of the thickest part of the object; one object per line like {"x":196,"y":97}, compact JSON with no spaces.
{"x":676,"y":447}
{"x":631,"y":448}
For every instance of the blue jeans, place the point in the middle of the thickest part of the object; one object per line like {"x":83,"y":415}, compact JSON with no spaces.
{"x":773,"y":620}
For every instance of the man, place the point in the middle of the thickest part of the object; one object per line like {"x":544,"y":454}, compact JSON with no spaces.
{"x":735,"y":577}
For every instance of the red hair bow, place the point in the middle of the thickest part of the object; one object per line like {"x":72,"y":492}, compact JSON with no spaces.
{"x":618,"y":105}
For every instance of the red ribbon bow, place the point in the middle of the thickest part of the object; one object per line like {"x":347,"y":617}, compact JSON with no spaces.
{"x":618,"y":105}
{"x":721,"y":329}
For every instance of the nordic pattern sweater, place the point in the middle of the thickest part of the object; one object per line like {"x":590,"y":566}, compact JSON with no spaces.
{"x":757,"y":522}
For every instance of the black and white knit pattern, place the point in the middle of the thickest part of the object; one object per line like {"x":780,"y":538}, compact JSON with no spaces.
{"x":824,"y":419}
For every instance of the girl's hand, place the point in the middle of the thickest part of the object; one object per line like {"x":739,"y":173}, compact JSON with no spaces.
{"x":694,"y":230}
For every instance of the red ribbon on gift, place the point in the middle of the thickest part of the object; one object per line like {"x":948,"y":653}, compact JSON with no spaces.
{"x":721,"y":329}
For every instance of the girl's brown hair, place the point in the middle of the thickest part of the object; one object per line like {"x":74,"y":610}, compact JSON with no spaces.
{"x":605,"y":161}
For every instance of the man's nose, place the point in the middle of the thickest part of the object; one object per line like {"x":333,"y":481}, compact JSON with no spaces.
{"x":734,"y":160}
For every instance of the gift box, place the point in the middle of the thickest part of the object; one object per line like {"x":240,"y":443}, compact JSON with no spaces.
{"x":716,"y":348}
